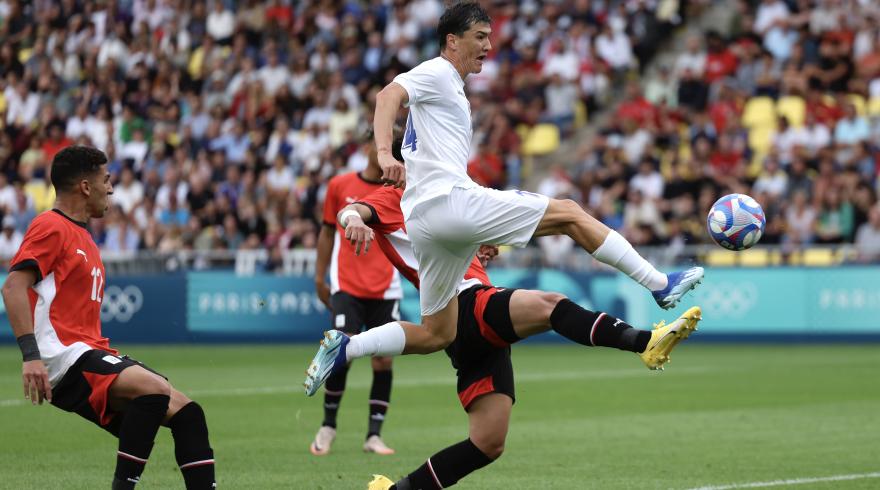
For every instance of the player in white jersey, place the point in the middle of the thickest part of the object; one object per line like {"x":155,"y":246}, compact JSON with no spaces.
{"x":448,"y":216}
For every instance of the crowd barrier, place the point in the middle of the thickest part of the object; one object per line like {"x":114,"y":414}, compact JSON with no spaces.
{"x":783,"y":303}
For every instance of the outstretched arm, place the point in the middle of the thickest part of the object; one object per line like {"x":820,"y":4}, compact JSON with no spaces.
{"x":353,"y":219}
{"x":388,"y":102}
{"x":34,"y":375}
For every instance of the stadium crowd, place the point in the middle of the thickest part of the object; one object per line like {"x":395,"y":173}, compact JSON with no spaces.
{"x":786,"y":108}
{"x":224,"y":120}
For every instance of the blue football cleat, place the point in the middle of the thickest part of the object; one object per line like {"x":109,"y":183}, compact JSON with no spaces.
{"x":679,"y":284}
{"x":330,"y":356}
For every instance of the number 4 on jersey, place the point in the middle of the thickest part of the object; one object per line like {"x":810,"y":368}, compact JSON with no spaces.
{"x":410,"y":140}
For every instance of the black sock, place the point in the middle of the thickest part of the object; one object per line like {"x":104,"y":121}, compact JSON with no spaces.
{"x":380,"y":398}
{"x":333,"y":390}
{"x":446,"y":467}
{"x":596,"y":329}
{"x":140,"y":422}
{"x":192,"y":450}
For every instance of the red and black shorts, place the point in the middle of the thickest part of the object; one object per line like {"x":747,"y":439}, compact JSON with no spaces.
{"x":85,"y":387}
{"x":481,"y":350}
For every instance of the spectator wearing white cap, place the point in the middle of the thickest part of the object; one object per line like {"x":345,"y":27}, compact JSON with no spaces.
{"x":10,"y":240}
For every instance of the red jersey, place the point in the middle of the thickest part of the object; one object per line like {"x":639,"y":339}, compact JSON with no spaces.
{"x":391,"y":236}
{"x":370,"y":275}
{"x":66,"y":299}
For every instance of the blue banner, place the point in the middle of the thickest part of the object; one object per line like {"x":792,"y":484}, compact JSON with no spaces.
{"x":136,"y":309}
{"x":736,"y":302}
{"x":223,"y":306}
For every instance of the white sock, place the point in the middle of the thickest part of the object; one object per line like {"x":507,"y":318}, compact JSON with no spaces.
{"x":618,"y":253}
{"x":385,"y":340}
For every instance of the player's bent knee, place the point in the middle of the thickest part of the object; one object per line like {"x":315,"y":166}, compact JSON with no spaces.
{"x":381,"y":363}
{"x":492,"y":445}
{"x":550,"y":300}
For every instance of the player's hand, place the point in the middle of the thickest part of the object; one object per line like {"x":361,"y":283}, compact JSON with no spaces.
{"x":323,"y":291}
{"x":486,"y":254}
{"x":36,"y":382}
{"x":358,"y":234}
{"x":393,"y":171}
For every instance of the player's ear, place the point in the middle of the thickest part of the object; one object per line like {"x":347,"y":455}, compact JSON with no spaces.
{"x":85,"y":187}
{"x":451,"y":42}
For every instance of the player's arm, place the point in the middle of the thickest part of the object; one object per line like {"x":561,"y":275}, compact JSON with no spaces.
{"x":388,"y":102}
{"x":354,"y":219}
{"x":35,"y":377}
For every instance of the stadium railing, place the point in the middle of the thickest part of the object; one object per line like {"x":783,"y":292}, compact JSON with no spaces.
{"x":301,"y":262}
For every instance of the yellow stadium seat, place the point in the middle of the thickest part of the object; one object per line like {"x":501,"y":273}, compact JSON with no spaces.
{"x":755,"y":257}
{"x":818,"y":257}
{"x":761,"y":138}
{"x":874,"y":106}
{"x":756,"y":166}
{"x":775,"y":257}
{"x":859,"y":103}
{"x":541,"y":140}
{"x":580,"y":115}
{"x":721,"y":258}
{"x":759,"y":111}
{"x":793,"y":108}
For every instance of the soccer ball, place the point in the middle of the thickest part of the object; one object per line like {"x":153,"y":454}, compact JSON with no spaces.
{"x":736,"y":222}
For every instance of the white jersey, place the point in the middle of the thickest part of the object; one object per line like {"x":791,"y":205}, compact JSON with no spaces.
{"x":437,"y":139}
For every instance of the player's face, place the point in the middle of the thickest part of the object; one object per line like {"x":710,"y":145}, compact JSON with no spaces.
{"x":100,"y":191}
{"x":475,"y":46}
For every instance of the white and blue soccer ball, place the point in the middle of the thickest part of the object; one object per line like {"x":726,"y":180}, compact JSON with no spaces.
{"x":736,"y":222}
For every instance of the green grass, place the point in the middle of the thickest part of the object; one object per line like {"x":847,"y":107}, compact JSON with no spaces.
{"x":584,"y":418}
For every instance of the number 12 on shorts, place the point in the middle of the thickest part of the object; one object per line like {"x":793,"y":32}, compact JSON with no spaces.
{"x":97,"y":284}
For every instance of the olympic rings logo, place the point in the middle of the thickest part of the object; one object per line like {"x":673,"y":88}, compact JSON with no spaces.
{"x":728,"y":299}
{"x":121,"y":304}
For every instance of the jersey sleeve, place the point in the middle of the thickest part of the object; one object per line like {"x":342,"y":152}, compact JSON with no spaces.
{"x":330,"y":200}
{"x":384,"y":203}
{"x":42,"y":245}
{"x":422,"y":84}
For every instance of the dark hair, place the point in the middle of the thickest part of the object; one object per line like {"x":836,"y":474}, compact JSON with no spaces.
{"x":459,"y":18}
{"x":73,"y":164}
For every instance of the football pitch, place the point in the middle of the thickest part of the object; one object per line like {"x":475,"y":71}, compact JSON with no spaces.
{"x":719,"y":417}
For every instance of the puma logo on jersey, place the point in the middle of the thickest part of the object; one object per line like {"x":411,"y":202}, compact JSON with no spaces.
{"x":351,"y":200}
{"x":79,"y":251}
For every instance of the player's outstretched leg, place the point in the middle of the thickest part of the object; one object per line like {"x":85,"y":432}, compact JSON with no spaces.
{"x":566,"y":217}
{"x":534,"y":312}
{"x":392,"y":339}
{"x":192,"y":449}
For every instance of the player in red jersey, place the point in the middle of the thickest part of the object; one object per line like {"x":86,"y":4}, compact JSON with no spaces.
{"x":490,"y":319}
{"x":364,"y":292}
{"x":53,"y":299}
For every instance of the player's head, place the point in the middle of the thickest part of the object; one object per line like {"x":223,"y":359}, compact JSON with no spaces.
{"x":464,"y":35}
{"x":80,"y":173}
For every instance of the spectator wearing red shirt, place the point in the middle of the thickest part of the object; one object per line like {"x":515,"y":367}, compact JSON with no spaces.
{"x":487,"y":168}
{"x":720,"y":61}
{"x":636,"y":107}
{"x":56,"y":141}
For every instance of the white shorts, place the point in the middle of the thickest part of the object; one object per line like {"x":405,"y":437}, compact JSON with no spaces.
{"x":447,"y":231}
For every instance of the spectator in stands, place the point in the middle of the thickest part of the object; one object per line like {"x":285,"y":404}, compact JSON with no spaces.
{"x":835,"y":223}
{"x":10,"y":240}
{"x":867,"y":238}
